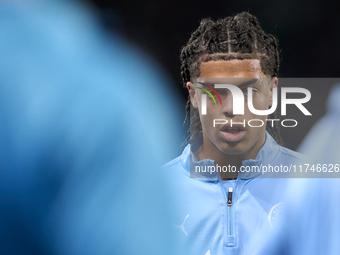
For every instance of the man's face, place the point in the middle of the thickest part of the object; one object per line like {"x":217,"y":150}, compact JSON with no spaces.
{"x":239,"y":138}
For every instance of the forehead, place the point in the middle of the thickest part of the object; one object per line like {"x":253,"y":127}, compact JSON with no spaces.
{"x":235,"y":68}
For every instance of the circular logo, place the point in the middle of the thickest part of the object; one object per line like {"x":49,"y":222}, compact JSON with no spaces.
{"x":274,"y":214}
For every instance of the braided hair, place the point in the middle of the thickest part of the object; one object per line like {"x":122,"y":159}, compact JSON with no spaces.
{"x":235,"y":37}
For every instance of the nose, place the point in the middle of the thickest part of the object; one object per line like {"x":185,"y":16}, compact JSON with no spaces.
{"x":233,"y":103}
{"x":227,"y":105}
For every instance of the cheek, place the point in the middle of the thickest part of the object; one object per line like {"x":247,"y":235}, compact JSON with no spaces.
{"x":207,"y":121}
{"x":260,"y":101}
{"x":204,"y":120}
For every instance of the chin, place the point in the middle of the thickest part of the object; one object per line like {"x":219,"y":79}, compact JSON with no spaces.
{"x":233,"y":148}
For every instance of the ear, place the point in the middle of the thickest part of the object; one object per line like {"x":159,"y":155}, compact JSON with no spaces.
{"x":273,"y":84}
{"x":192,"y":94}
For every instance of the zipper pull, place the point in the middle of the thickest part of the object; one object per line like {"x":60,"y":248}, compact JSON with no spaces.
{"x":230,"y":196}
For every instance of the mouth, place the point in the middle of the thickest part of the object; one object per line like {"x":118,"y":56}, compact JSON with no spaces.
{"x":232,"y":134}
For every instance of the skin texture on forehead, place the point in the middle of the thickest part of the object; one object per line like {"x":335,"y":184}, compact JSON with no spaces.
{"x":246,"y":68}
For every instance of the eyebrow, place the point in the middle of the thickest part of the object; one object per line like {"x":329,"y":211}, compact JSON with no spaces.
{"x":252,"y":81}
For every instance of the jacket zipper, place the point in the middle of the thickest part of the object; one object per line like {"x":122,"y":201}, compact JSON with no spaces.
{"x":230,"y":196}
{"x":230,"y":231}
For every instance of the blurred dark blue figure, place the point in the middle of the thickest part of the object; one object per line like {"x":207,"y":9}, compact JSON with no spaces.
{"x":311,"y":224}
{"x":85,"y":122}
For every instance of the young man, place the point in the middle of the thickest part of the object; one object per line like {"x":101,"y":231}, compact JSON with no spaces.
{"x":219,"y":212}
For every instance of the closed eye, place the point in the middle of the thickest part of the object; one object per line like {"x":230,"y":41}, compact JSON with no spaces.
{"x":253,"y":89}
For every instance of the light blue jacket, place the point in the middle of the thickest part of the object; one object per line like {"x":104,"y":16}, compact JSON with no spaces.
{"x":206,"y":222}
{"x":312,"y":223}
{"x":80,"y":149}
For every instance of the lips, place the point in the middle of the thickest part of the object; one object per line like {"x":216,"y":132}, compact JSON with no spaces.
{"x":233,"y":133}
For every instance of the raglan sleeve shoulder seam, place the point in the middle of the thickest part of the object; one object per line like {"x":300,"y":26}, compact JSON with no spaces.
{"x":170,"y":163}
{"x":291,"y":153}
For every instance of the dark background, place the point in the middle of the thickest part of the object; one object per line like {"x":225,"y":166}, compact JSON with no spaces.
{"x":308,"y":34}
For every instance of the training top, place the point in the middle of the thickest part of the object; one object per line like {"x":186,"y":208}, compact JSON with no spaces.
{"x":312,"y":223}
{"x":221,"y":217}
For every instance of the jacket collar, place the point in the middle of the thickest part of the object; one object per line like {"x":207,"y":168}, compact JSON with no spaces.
{"x":188,"y":160}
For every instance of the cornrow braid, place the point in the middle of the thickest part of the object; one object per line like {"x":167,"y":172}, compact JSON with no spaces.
{"x":236,"y":37}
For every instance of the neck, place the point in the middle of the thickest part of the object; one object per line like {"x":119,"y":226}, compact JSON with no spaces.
{"x":232,"y":163}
